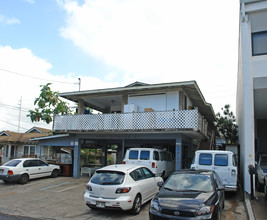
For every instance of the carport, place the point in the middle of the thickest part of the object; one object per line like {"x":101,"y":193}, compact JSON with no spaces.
{"x":182,"y":145}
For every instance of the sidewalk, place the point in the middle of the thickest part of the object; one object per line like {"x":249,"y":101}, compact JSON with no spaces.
{"x":258,"y":206}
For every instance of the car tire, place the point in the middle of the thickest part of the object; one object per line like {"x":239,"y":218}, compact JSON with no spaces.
{"x":24,"y":178}
{"x":218,"y":216}
{"x":260,"y":187}
{"x":163,"y":175}
{"x":265,"y":191}
{"x":136,"y":205}
{"x":54,"y":174}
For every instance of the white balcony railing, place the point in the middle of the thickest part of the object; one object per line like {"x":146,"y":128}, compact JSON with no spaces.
{"x":156,"y":120}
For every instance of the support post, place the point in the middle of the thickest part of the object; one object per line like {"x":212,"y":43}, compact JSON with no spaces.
{"x":77,"y":156}
{"x":178,"y":153}
{"x":122,"y":149}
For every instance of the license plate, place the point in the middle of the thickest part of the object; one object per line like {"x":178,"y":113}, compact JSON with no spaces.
{"x":100,"y":204}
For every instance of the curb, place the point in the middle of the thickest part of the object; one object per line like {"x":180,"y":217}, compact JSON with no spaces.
{"x":249,"y":208}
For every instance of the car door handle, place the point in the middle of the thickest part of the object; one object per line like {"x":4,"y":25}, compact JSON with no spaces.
{"x":39,"y":169}
{"x":27,"y":169}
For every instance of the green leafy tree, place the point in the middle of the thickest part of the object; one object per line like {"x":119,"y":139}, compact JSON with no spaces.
{"x":48,"y":104}
{"x":226,"y":125}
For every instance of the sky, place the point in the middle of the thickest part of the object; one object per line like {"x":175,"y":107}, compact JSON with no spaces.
{"x":113,"y":43}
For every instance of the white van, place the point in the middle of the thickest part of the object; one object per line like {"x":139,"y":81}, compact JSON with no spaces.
{"x":223,"y":162}
{"x":160,"y":162}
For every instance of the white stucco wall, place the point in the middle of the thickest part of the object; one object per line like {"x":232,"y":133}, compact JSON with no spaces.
{"x":245,"y":102}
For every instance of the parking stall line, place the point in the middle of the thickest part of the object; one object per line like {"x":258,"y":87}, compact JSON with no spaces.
{"x":63,"y":190}
{"x":53,"y":186}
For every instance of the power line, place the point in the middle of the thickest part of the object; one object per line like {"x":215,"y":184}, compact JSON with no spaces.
{"x":13,"y":107}
{"x":12,"y":124}
{"x":33,"y":77}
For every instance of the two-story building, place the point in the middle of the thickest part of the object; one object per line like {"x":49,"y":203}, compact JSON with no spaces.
{"x":252,"y":84}
{"x":172,"y":116}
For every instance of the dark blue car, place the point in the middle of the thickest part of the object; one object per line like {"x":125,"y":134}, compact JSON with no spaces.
{"x":189,"y":194}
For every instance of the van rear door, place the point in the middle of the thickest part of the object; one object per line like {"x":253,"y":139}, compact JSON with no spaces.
{"x":221,"y":167}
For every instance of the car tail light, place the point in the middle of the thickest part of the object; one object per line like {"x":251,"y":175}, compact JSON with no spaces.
{"x":124,"y":162}
{"x":123,"y":190}
{"x":233,"y":172}
{"x":10,"y":172}
{"x":153,"y":164}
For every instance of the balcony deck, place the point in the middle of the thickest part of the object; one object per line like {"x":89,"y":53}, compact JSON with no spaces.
{"x":136,"y":121}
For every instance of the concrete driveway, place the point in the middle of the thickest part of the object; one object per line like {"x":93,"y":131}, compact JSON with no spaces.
{"x":62,"y":198}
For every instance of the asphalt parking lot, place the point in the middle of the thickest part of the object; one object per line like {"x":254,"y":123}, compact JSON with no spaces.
{"x":62,"y":198}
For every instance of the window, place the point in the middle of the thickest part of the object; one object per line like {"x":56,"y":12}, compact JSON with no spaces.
{"x":108,"y":178}
{"x":205,"y":159}
{"x":156,"y":155}
{"x":32,"y":150}
{"x":29,"y":150}
{"x":163,"y":155}
{"x":133,"y":154}
{"x":42,"y":163}
{"x":144,"y":155}
{"x":148,"y":173}
{"x":137,"y":174}
{"x":12,"y":163}
{"x":259,"y":43}
{"x":26,"y":150}
{"x":221,"y":160}
{"x":27,"y":163}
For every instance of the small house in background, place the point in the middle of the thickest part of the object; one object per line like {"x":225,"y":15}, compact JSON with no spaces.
{"x":17,"y":145}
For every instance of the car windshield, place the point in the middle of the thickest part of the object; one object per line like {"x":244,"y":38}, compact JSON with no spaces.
{"x":108,"y":177}
{"x":189,"y":182}
{"x":12,"y":163}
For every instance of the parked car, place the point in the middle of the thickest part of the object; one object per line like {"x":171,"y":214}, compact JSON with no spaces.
{"x":223,"y":162}
{"x":189,"y":194}
{"x":23,"y":169}
{"x":160,"y":162}
{"x":261,"y":171}
{"x":121,"y":187}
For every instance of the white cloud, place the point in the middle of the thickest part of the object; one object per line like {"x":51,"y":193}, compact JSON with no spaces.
{"x":21,"y":74}
{"x":6,"y":20}
{"x":162,"y":40}
{"x":30,"y":1}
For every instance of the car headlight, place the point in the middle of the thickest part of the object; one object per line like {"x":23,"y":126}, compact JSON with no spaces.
{"x":88,"y":187}
{"x":205,"y":210}
{"x":155,"y":205}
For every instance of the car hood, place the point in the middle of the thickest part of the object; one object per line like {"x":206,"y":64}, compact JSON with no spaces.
{"x":183,"y":200}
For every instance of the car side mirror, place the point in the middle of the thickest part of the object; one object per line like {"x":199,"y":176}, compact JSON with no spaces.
{"x":221,"y":187}
{"x":160,"y":184}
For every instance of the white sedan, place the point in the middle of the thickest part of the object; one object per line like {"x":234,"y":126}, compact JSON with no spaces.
{"x":121,"y":187}
{"x":23,"y":169}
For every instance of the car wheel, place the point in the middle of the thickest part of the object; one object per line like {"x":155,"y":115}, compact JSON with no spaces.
{"x":136,"y":205}
{"x":24,"y":178}
{"x":163,"y":174}
{"x":218,"y":217}
{"x":259,"y":186}
{"x":265,"y":191}
{"x":54,"y":173}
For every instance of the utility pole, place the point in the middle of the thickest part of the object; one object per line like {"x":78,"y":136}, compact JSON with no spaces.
{"x":79,"y":84}
{"x":20,"y":103}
